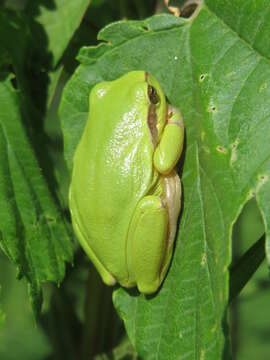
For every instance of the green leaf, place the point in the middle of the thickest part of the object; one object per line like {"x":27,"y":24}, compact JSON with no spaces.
{"x":2,"y":317}
{"x":14,"y":40}
{"x":20,"y":337}
{"x":59,"y":20}
{"x":33,"y":234}
{"x":221,"y":84}
{"x":2,"y":314}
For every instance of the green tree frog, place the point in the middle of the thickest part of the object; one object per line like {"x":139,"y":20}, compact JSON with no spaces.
{"x":125,"y":194}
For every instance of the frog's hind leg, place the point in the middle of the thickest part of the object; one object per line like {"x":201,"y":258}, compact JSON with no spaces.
{"x":147,"y":243}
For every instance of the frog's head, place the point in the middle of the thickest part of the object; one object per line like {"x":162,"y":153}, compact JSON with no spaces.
{"x":135,"y":90}
{"x":157,"y":107}
{"x":145,"y":91}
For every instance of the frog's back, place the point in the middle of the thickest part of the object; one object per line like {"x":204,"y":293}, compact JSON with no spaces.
{"x":111,"y":156}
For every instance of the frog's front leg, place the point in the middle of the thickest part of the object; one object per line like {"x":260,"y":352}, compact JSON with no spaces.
{"x":170,"y":146}
{"x":146,"y":249}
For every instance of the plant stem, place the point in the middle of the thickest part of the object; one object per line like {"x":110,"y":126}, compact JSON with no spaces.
{"x":242,"y":271}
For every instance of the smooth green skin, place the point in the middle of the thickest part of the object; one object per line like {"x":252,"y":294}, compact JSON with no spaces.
{"x":122,"y":166}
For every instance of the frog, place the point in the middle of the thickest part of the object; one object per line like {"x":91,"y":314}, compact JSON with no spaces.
{"x":125,"y":193}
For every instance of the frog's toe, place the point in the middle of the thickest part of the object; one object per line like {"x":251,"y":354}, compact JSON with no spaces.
{"x":107,"y":278}
{"x":149,"y":288}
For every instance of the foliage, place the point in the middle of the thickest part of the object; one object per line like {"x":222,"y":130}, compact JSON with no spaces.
{"x":214,"y":65}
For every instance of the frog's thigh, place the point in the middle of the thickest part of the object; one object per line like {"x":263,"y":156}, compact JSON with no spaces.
{"x":107,"y":278}
{"x":148,"y":242}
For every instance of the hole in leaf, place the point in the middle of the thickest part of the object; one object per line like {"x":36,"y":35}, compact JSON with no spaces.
{"x":188,"y":10}
{"x":144,"y":27}
{"x":221,"y":149}
{"x":202,"y":77}
{"x":14,"y":82}
{"x":263,"y":178}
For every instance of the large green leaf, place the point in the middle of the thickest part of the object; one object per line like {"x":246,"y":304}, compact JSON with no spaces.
{"x":59,"y":20}
{"x":32,"y":231}
{"x":2,"y":314}
{"x":220,"y":81}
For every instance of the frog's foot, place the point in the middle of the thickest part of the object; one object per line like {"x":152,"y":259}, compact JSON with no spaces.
{"x":146,"y":246}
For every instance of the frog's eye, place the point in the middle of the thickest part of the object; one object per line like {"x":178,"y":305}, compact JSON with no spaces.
{"x":153,"y":95}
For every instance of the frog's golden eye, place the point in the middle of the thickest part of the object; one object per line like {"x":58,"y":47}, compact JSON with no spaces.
{"x":153,"y":95}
